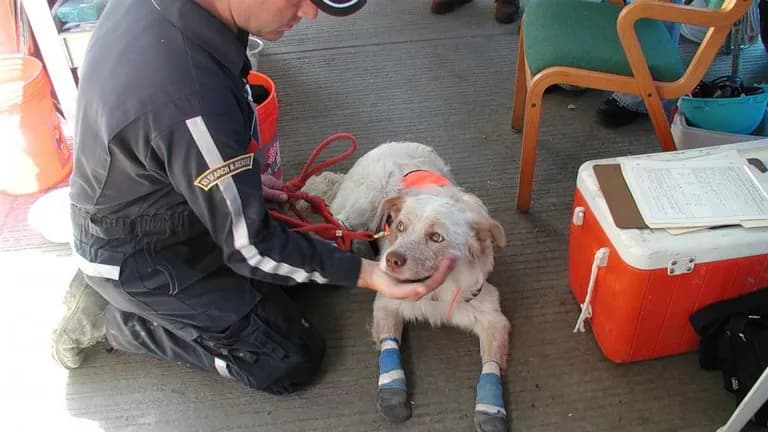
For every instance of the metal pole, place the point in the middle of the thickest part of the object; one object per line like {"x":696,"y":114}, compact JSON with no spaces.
{"x":52,"y":50}
{"x":749,"y":406}
{"x":736,"y":46}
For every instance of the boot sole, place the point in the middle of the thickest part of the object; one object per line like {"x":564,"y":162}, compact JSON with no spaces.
{"x":56,"y":351}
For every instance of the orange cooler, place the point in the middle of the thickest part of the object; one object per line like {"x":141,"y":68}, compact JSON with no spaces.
{"x":646,"y":283}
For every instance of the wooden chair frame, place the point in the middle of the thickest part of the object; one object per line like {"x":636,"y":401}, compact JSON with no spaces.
{"x":529,"y":90}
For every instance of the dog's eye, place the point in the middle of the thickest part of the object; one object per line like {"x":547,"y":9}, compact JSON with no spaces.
{"x":401,"y":226}
{"x":436,"y":237}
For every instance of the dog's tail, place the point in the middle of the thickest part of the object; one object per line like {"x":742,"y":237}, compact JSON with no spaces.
{"x":325,"y":185}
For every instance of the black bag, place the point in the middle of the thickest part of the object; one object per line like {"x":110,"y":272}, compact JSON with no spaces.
{"x":734,"y":340}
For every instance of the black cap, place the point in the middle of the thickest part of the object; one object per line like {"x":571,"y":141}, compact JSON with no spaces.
{"x":339,"y":7}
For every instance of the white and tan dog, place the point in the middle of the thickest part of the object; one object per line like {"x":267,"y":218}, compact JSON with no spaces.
{"x":429,"y":217}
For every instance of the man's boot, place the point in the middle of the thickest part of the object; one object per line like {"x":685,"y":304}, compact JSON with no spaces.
{"x":440,"y":7}
{"x":82,"y":324}
{"x":506,"y":11}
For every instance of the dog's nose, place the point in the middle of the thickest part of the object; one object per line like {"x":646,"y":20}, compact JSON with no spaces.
{"x":395,"y":260}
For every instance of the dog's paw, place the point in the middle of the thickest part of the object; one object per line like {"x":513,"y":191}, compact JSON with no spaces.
{"x":393,"y":404}
{"x":485,"y":422}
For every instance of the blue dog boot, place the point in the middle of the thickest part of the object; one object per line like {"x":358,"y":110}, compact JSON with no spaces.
{"x":392,"y":395}
{"x":490,"y":415}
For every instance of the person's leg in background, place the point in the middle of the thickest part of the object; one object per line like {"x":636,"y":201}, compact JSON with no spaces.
{"x":622,"y":109}
{"x":763,"y":11}
{"x":505,"y":11}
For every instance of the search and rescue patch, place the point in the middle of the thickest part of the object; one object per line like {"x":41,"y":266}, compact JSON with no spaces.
{"x":215,"y":175}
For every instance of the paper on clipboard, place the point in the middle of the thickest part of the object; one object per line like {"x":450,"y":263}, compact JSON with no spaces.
{"x":703,"y":192}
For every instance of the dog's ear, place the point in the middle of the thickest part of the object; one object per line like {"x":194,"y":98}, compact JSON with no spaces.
{"x":389,"y":207}
{"x":496,"y":232}
{"x":487,"y":233}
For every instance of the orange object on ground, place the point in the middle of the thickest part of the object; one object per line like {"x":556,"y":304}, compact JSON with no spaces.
{"x":264,"y":140}
{"x":651,"y":281}
{"x":33,"y":153}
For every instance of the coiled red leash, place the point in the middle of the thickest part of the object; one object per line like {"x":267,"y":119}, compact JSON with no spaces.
{"x":332,"y":229}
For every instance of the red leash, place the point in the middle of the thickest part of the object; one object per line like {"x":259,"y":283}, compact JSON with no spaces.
{"x":331,"y":229}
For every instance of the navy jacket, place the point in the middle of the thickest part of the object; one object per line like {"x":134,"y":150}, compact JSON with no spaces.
{"x":162,"y":131}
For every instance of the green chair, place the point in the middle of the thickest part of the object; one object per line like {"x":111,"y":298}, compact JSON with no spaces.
{"x":608,"y":47}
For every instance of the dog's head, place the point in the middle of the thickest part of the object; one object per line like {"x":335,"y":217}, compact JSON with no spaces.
{"x":428,"y":224}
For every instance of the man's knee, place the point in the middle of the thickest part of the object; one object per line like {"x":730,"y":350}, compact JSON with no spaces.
{"x":273,"y":348}
{"x":280,"y":365}
{"x":133,"y":333}
{"x":121,"y":329}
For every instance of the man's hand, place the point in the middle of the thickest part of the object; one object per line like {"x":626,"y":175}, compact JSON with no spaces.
{"x":374,"y":278}
{"x":272,"y":189}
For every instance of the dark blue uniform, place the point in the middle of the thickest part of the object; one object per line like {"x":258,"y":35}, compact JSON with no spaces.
{"x":169,"y":220}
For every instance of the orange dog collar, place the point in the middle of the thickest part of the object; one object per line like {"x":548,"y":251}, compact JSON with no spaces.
{"x":422,"y":179}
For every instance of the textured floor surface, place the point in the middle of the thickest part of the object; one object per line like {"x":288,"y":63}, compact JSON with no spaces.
{"x":392,"y":72}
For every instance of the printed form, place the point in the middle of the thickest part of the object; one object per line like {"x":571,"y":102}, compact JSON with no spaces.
{"x":695,"y":192}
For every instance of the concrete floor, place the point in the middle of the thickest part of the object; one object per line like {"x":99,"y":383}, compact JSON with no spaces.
{"x":392,"y":72}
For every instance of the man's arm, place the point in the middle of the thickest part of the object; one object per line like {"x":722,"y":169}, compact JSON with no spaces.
{"x":206,"y":161}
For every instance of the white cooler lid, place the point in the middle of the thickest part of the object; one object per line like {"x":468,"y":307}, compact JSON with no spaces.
{"x":647,"y":249}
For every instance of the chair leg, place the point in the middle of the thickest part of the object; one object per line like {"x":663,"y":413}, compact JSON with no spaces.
{"x":660,"y":122}
{"x":528,"y":148}
{"x":521,"y":87}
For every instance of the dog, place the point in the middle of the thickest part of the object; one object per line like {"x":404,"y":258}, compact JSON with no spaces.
{"x":409,"y":188}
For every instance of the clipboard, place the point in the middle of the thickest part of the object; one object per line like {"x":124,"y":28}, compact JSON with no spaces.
{"x":621,"y":203}
{"x":617,"y":196}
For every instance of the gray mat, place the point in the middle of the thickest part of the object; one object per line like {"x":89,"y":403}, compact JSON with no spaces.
{"x":395,"y":72}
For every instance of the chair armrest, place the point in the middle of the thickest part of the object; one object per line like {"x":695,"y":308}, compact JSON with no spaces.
{"x":663,"y":11}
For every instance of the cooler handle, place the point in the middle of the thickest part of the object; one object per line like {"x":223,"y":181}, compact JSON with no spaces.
{"x":601,"y":260}
{"x":578,"y":216}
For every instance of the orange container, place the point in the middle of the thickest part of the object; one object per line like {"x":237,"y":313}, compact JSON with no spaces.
{"x":8,"y":39}
{"x":33,"y":153}
{"x":264,"y":140}
{"x":651,"y":281}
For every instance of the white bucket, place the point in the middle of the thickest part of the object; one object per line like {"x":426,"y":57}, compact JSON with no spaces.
{"x":49,"y":216}
{"x":255,"y":46}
